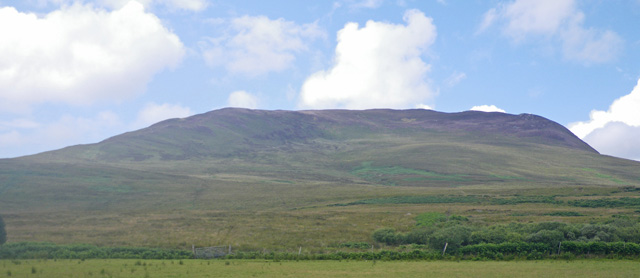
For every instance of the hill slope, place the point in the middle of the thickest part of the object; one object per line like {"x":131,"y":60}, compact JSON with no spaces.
{"x":234,"y":165}
{"x":442,"y":149}
{"x":232,"y":132}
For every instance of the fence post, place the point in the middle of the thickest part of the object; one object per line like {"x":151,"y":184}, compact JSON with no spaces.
{"x":229,"y":250}
{"x":445,"y":248}
{"x":193,"y":250}
{"x":559,"y":245}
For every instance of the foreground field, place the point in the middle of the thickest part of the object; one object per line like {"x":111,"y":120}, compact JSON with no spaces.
{"x":235,"y":268}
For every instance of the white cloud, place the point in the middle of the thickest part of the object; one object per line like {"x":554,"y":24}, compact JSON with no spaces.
{"x":487,"y":108}
{"x":559,"y":20}
{"x":189,"y":5}
{"x":171,"y":5}
{"x":242,"y":99}
{"x":258,"y":45}
{"x":115,"y":4}
{"x":610,"y":130}
{"x":379,"y":65}
{"x":616,"y":139}
{"x":424,"y":106}
{"x":153,"y":113}
{"x":625,"y":109}
{"x":79,"y":54}
{"x":589,"y":45}
{"x":539,"y":17}
{"x":370,"y":4}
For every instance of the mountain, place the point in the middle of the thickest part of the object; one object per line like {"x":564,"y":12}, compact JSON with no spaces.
{"x":234,"y":164}
{"x":236,"y":132}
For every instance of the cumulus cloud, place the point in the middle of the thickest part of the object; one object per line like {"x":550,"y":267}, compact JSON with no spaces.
{"x":153,"y":113}
{"x":624,"y":110}
{"x":559,"y":20}
{"x":242,"y":99}
{"x":424,"y":106}
{"x":614,"y":129}
{"x":379,"y":65}
{"x":79,"y":54}
{"x":487,"y":108}
{"x":616,"y":139}
{"x":256,"y":45}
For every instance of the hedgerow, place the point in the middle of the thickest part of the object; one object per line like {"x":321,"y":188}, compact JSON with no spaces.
{"x":44,"y":250}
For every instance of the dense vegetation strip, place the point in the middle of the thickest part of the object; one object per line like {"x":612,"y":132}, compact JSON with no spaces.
{"x":607,"y":203}
{"x":483,"y":251}
{"x":44,"y":250}
{"x":450,"y":199}
{"x":457,"y":235}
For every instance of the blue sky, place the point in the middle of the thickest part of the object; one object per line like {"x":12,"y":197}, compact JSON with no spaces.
{"x":78,"y":72}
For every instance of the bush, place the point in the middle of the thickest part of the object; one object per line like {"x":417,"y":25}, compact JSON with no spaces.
{"x":547,"y":236}
{"x":420,"y":235}
{"x":597,"y":232}
{"x":454,"y":237}
{"x":388,"y":236}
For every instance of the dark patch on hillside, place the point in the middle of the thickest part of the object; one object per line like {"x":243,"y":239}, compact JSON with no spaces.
{"x":530,"y":126}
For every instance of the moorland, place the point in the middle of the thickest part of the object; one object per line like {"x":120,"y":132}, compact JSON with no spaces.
{"x":322,"y":182}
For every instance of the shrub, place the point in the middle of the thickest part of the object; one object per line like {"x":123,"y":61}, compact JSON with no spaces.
{"x":430,"y":218}
{"x":454,"y":237}
{"x":546,"y":236}
{"x":388,"y":236}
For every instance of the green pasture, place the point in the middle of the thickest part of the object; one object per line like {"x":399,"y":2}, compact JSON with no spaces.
{"x":261,"y":268}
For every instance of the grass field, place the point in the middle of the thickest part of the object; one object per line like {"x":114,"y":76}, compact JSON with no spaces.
{"x":289,"y":216}
{"x":218,"y":268}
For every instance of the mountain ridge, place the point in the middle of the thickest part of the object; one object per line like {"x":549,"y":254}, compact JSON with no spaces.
{"x":250,"y":127}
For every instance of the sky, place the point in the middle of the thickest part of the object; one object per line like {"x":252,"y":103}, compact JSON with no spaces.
{"x":78,"y":72}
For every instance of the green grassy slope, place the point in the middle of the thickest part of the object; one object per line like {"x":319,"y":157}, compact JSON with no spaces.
{"x":270,"y":178}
